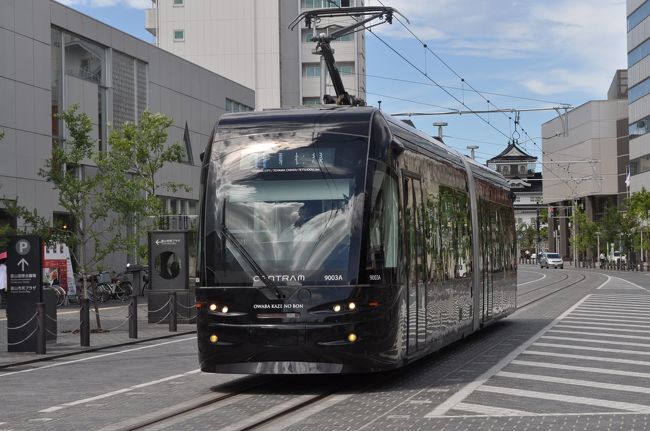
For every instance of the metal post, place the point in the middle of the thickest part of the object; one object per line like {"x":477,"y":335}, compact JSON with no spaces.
{"x":172,"y":312}
{"x":40,"y":328}
{"x":84,"y":329}
{"x":600,"y":262}
{"x":574,"y":234}
{"x":323,"y":78}
{"x":133,"y":315}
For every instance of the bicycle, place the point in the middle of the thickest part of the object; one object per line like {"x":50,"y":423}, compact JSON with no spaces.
{"x":118,"y":287}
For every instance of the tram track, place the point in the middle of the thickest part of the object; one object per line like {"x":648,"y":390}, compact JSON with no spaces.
{"x":298,"y":406}
{"x":546,"y":295}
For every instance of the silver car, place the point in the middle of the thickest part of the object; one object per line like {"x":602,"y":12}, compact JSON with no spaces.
{"x":551,"y":260}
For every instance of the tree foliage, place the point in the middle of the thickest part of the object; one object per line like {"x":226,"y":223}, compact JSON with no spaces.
{"x":139,"y":151}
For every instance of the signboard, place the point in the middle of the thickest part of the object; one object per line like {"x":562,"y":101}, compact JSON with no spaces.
{"x":57,"y":267}
{"x":24,"y":290}
{"x":168,"y":260}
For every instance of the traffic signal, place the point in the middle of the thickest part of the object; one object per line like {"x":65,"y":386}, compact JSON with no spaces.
{"x":552,"y":211}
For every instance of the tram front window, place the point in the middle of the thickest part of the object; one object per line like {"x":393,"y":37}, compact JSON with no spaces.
{"x":283,"y":208}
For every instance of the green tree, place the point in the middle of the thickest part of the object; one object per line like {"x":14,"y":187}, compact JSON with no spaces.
{"x":94,"y":234}
{"x":141,"y":151}
{"x":585,"y":235}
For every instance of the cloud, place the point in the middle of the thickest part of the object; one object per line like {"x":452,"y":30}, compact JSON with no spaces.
{"x":136,"y":4}
{"x":561,"y":45}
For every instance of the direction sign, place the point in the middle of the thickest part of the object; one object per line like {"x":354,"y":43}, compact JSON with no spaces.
{"x":24,"y":290}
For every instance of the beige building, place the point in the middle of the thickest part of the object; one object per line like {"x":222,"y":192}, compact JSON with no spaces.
{"x":249,"y":42}
{"x":585,"y":159}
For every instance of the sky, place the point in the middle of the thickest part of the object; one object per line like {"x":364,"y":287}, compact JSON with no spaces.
{"x":516,"y":54}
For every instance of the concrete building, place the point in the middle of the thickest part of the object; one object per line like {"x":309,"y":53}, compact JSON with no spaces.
{"x":249,"y":42}
{"x":518,"y":168}
{"x":638,"y":63}
{"x":585,"y":159}
{"x":53,"y":57}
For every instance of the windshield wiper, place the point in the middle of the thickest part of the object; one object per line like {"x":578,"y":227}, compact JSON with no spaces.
{"x":249,"y":259}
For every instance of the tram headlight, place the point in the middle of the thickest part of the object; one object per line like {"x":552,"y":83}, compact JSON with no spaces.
{"x":352,"y":337}
{"x":224,"y":309}
{"x":213,"y":307}
{"x":337,"y":308}
{"x":352,"y":305}
{"x":214,"y":338}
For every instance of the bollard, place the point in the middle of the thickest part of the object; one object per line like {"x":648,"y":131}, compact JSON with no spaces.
{"x":133,"y":315}
{"x":40,"y":328}
{"x":172,"y":311}
{"x":84,"y":329}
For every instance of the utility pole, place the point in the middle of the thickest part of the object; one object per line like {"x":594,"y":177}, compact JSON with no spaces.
{"x":574,"y":233}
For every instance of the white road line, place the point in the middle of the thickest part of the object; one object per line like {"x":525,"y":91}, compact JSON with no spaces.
{"x":583,"y":369}
{"x":593,"y":349}
{"x":632,"y":407}
{"x":636,"y":305}
{"x":608,"y":314}
{"x":591,"y":340}
{"x":602,"y":334}
{"x":592,"y":321}
{"x":305,"y":413}
{"x":59,"y":364}
{"x":633,"y":284}
{"x":116,"y":392}
{"x":575,"y":382}
{"x":464,"y":392}
{"x":532,"y":281}
{"x":606,"y":328}
{"x":489,"y":410}
{"x":627,"y":311}
{"x":587,"y":358}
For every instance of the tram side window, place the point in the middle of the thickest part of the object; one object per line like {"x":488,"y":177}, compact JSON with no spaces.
{"x":384,"y":222}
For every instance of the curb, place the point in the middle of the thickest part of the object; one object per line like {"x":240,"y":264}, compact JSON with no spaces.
{"x":94,"y":349}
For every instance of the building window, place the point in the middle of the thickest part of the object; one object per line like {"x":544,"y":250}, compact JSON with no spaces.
{"x":639,"y":90}
{"x":179,"y":35}
{"x":638,"y":16}
{"x":310,"y":70}
{"x":639,"y":128}
{"x":504,"y":169}
{"x":311,"y":101}
{"x":346,"y":69}
{"x":129,"y":88}
{"x":640,"y":165}
{"x":233,"y":106}
{"x":179,"y":3}
{"x":522,"y":169}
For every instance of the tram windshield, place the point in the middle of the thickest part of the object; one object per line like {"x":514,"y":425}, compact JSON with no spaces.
{"x":284,"y":208}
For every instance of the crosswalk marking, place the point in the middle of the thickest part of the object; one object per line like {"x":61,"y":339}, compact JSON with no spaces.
{"x":607,"y":313}
{"x":617,"y":324}
{"x":640,"y":310}
{"x":601,"y":334}
{"x":591,"y":340}
{"x":599,"y":326}
{"x":594,"y":349}
{"x":583,"y":369}
{"x":617,"y":405}
{"x":575,"y":382}
{"x":489,"y":410}
{"x":587,"y":357}
{"x":592,"y":321}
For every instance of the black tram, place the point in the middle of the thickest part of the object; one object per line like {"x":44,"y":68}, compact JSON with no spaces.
{"x":339,"y":239}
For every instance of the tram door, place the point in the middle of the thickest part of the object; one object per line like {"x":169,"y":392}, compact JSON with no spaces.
{"x":414,"y":258}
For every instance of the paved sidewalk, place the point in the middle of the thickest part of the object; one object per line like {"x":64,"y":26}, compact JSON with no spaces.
{"x":113,"y":319}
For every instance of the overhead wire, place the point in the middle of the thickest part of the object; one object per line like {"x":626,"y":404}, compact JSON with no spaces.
{"x":463,"y":82}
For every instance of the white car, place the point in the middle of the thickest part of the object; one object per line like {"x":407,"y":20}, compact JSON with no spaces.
{"x":551,"y":260}
{"x":618,"y":256}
